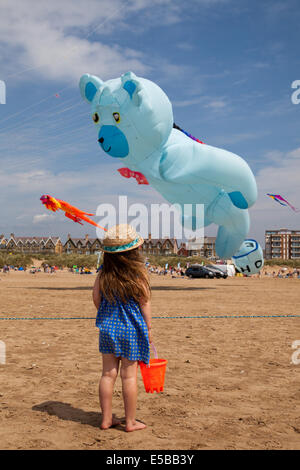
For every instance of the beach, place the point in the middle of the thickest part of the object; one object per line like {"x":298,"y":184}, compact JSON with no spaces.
{"x":230,"y":382}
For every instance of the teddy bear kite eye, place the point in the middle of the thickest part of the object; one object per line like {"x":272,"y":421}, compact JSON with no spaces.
{"x":96,"y":118}
{"x":116,"y":117}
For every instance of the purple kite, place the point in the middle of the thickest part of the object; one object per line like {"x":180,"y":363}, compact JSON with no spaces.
{"x":282,"y":201}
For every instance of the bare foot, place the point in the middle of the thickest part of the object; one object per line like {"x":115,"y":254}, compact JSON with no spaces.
{"x":110,"y":424}
{"x":135,"y":426}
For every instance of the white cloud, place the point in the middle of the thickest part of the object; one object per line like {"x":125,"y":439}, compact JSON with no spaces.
{"x":188,"y":102}
{"x":38,"y":218}
{"x":63,"y":39}
{"x":284,"y":176}
{"x":260,"y":65}
{"x":86,"y":189}
{"x":53,"y":38}
{"x":216,"y":104}
{"x":230,"y":139}
{"x":186,"y":46}
{"x":280,"y":176}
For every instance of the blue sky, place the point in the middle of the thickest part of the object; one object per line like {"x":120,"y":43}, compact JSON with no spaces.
{"x":227,"y":67}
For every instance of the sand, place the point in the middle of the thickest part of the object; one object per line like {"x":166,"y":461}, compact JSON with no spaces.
{"x":230,"y":383}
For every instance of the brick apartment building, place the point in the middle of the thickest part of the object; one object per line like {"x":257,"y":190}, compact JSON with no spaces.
{"x":283,"y":243}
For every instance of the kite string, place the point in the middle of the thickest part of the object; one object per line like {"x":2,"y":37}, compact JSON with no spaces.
{"x":67,"y":54}
{"x":160,"y":317}
{"x":31,"y":106}
{"x":117,"y":10}
{"x":30,"y":119}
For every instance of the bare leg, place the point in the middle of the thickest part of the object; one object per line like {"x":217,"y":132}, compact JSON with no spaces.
{"x":129,"y":387}
{"x":106,"y":388}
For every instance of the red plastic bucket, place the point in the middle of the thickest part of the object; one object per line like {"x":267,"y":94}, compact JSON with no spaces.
{"x":154,"y":373}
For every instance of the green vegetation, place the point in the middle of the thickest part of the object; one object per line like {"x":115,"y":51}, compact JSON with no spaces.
{"x":292,"y":263}
{"x":17,"y":260}
{"x":61,"y":261}
{"x":173,"y":260}
{"x":68,"y":261}
{"x":90,"y":261}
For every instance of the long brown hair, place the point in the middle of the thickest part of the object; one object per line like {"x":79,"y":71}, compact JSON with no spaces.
{"x":124,"y":276}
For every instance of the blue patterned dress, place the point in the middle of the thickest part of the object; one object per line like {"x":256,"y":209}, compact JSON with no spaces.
{"x":123,"y":330}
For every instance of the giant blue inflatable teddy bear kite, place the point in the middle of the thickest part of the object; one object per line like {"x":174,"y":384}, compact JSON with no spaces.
{"x":134,"y":120}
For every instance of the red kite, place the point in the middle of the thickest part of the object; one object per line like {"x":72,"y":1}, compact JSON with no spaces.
{"x":70,"y":211}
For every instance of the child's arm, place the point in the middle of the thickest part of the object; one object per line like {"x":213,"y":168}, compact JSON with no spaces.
{"x":146,"y":312}
{"x":96,"y":293}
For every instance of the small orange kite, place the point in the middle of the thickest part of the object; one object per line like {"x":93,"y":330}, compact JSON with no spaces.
{"x":70,"y":211}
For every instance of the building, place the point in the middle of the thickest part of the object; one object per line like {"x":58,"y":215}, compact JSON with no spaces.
{"x":183,"y":251}
{"x":89,"y":246}
{"x":3,"y":242}
{"x":30,"y":245}
{"x":205,"y":247}
{"x":209,"y":247}
{"x":81,"y":246}
{"x":160,"y":246}
{"x":49,"y":245}
{"x":283,"y":243}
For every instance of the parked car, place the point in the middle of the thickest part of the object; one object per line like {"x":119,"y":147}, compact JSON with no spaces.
{"x":199,"y":271}
{"x":219,"y":273}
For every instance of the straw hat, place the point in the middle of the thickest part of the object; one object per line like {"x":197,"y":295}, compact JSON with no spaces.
{"x":121,"y":238}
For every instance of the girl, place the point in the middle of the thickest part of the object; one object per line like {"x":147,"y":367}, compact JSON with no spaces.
{"x":121,"y":295}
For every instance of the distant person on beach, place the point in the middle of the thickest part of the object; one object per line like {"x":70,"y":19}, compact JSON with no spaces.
{"x":121,"y":295}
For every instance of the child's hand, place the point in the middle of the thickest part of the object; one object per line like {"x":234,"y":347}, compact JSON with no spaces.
{"x":150,"y":336}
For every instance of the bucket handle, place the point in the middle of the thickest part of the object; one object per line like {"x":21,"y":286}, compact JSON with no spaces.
{"x":154,"y":352}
